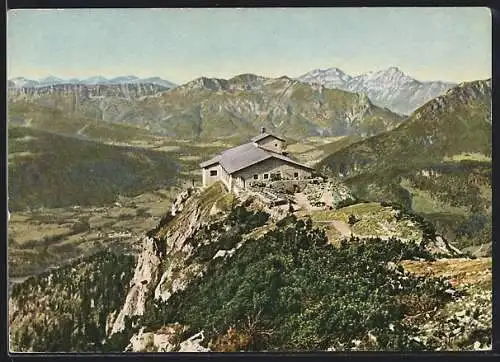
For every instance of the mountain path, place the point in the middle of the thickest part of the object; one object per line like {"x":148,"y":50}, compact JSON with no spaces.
{"x":342,"y":227}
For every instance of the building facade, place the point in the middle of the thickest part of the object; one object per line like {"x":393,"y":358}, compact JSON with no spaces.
{"x":261,"y":160}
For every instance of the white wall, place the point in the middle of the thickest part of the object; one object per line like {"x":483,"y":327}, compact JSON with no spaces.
{"x":222,"y":175}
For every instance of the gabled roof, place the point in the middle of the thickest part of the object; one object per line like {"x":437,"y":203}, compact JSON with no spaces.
{"x":240,"y":157}
{"x":265,"y":135}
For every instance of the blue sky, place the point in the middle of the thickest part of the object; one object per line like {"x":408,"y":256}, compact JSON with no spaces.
{"x":451,"y":44}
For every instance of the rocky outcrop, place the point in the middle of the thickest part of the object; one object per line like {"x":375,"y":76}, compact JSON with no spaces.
{"x":330,"y":193}
{"x":166,"y":339}
{"x":161,"y":267}
{"x":178,"y":204}
{"x":192,"y":344}
{"x":145,"y":276}
{"x":443,"y":246}
{"x":176,"y":277}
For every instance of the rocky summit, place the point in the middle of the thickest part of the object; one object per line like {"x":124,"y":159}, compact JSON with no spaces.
{"x":390,"y":88}
{"x":222,"y":272}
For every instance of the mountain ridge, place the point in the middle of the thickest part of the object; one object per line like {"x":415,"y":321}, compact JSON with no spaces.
{"x":438,"y":162}
{"x":425,"y":121}
{"x":389,"y":87}
{"x":22,"y":82}
{"x":213,"y":107}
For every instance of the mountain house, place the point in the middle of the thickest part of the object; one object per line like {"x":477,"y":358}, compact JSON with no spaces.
{"x":261,"y":160}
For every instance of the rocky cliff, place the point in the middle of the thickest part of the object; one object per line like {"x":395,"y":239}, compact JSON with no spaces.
{"x":84,"y":92}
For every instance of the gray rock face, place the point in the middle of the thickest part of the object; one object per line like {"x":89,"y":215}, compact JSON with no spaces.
{"x":144,"y":277}
{"x":86,"y":92}
{"x":389,"y":88}
{"x":193,"y":344}
{"x":178,"y":204}
{"x":166,"y":339}
{"x":165,"y":272}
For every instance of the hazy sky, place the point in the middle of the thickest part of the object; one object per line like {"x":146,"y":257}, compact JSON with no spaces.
{"x":182,"y":44}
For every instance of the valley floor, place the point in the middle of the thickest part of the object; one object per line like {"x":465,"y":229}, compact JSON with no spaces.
{"x":48,"y":238}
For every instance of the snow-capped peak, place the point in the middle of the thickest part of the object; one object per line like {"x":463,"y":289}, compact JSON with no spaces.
{"x":330,"y":78}
{"x":389,"y":87}
{"x":392,"y":76}
{"x":21,"y":82}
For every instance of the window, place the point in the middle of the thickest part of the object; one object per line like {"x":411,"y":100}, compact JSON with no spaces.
{"x":296,"y":174}
{"x":213,"y":172}
{"x":266,"y":176}
{"x":255,"y":177}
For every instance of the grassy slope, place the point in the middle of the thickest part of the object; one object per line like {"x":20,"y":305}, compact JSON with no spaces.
{"x":427,"y":137}
{"x":443,"y":136}
{"x":48,"y":170}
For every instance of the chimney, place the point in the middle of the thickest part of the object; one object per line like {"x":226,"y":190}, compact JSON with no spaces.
{"x":262,"y":129}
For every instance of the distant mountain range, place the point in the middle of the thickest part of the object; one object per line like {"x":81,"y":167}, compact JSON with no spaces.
{"x":77,"y":93}
{"x":390,"y":88}
{"x":21,"y":82}
{"x":212,"y":107}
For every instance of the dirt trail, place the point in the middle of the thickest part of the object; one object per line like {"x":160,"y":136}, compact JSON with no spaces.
{"x":342,"y":227}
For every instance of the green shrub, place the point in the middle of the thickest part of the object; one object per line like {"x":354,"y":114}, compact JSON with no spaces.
{"x":352,"y":220}
{"x":289,"y":290}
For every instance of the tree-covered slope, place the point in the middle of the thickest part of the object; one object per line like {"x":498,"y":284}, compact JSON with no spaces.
{"x":290,"y":291}
{"x":455,"y":123}
{"x":49,"y":170}
{"x":68,"y":309}
{"x":438,"y":162}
